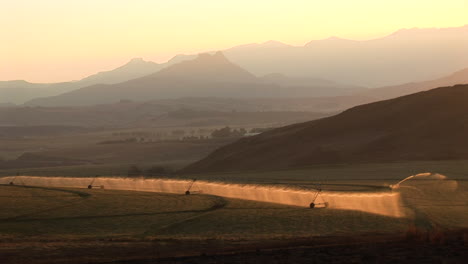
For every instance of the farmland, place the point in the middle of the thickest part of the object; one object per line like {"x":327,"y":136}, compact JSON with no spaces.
{"x":99,"y":225}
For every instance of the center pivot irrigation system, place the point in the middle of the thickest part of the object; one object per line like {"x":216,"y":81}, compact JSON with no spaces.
{"x":190,"y":190}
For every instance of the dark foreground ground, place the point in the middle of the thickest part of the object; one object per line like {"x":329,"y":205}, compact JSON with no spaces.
{"x":452,"y":248}
{"x":412,"y":247}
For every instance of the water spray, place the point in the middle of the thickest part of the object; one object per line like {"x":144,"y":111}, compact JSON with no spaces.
{"x":381,"y":203}
{"x":396,"y":186}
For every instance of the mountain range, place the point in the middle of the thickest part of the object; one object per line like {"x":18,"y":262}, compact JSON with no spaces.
{"x":206,"y":76}
{"x":20,"y":91}
{"x":406,"y":56}
{"x":214,"y":76}
{"x":430,"y":125}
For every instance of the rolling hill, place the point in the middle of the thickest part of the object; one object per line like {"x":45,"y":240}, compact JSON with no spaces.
{"x":20,"y":91}
{"x":430,"y":125}
{"x":206,"y":76}
{"x":459,"y":77}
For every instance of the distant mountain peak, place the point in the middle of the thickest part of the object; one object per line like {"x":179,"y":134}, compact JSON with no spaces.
{"x":415,"y":31}
{"x":138,"y":65}
{"x":219,"y":54}
{"x":408,"y":31}
{"x":138,"y":61}
{"x":207,"y":55}
{"x":332,"y":39}
{"x":208,"y":66}
{"x":217,"y":57}
{"x":14,"y":82}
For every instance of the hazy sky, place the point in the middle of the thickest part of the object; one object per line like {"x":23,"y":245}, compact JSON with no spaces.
{"x":60,"y":40}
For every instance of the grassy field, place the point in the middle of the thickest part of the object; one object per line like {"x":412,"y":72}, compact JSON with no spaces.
{"x":52,"y":213}
{"x":56,"y":225}
{"x":44,"y":225}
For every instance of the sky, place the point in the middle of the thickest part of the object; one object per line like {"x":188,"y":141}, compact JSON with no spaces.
{"x":63,"y":40}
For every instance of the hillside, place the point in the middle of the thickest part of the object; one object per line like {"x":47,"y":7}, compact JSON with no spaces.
{"x":135,"y":68}
{"x":206,"y":76}
{"x":20,"y":91}
{"x":459,"y":77}
{"x":429,"y":125}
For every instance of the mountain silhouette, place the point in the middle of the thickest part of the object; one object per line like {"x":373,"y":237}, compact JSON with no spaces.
{"x":430,"y":125}
{"x":209,"y":75}
{"x":214,"y":67}
{"x":135,"y":68}
{"x":20,"y":91}
{"x":408,"y":55}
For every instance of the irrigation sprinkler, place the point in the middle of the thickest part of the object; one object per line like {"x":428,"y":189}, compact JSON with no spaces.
{"x":189,"y":187}
{"x":12,"y":182}
{"x":91,"y":186}
{"x":313,"y":204}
